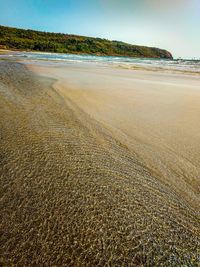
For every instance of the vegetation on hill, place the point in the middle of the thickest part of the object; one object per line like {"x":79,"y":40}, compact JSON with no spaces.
{"x":13,"y":38}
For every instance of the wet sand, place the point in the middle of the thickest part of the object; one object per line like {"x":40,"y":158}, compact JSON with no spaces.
{"x":99,"y":166}
{"x":156,"y":115}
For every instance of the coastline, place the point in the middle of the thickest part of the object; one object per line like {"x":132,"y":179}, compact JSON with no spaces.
{"x":121,"y":62}
{"x":98,"y":165}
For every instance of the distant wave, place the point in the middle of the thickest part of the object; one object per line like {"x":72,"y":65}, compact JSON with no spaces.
{"x":182,"y":65}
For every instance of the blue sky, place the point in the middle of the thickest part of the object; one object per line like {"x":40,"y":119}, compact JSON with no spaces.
{"x":170,"y":24}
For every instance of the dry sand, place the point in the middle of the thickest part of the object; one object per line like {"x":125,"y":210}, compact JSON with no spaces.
{"x":99,"y":166}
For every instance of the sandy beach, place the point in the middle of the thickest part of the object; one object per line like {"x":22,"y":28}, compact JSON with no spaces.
{"x":100,"y":166}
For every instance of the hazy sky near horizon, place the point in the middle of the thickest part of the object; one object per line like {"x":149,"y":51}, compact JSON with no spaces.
{"x":170,"y":24}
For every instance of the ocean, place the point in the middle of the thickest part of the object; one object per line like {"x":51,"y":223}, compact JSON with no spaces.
{"x":179,"y":65}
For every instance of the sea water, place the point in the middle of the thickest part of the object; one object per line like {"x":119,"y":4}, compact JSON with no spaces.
{"x":181,"y":65}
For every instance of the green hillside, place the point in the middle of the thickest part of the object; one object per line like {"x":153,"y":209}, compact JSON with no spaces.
{"x":13,"y":38}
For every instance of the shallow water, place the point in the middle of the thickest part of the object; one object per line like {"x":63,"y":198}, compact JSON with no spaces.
{"x":154,"y":114}
{"x":83,"y":154}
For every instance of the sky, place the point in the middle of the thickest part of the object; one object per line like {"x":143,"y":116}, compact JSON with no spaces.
{"x":169,"y":24}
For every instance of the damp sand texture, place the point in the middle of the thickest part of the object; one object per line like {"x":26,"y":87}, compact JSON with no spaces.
{"x":72,"y":193}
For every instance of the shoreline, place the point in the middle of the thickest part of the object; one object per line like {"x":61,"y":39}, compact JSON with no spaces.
{"x":133,"y":66}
